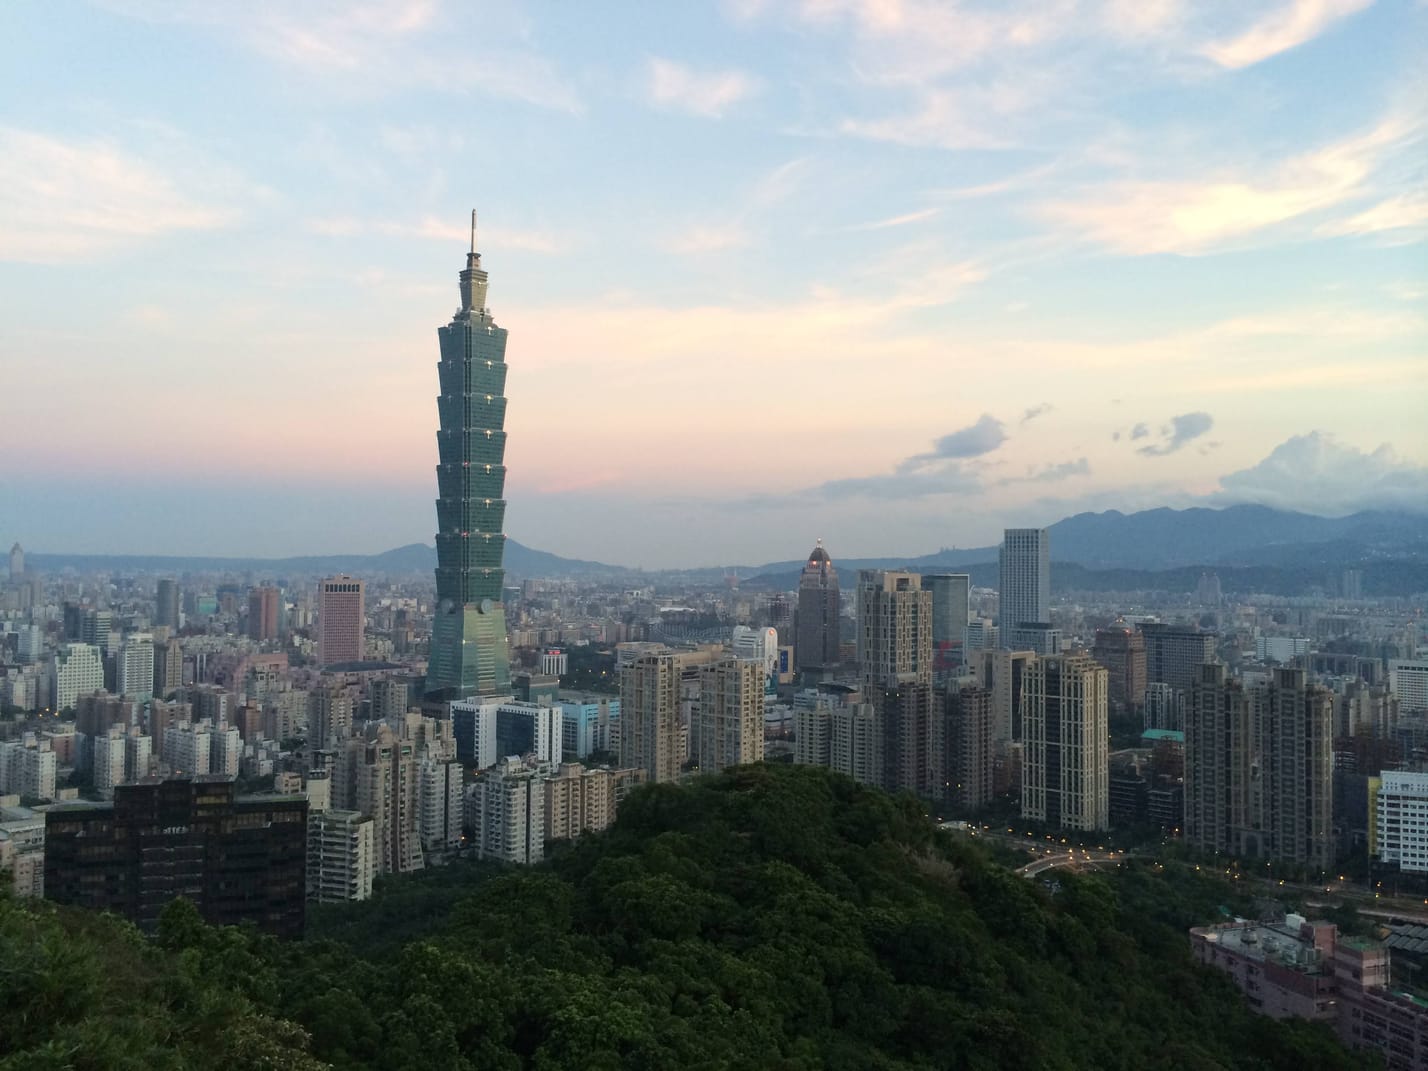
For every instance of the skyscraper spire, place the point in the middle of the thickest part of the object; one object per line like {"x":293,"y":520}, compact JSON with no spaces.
{"x":473,"y":279}
{"x":473,"y":230}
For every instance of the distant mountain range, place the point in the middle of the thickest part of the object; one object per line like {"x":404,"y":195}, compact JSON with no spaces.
{"x":1239,"y":537}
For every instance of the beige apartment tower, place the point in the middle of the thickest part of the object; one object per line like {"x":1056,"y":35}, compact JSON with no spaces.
{"x":727,"y":726}
{"x":894,"y":629}
{"x":341,"y":620}
{"x":1066,"y":772}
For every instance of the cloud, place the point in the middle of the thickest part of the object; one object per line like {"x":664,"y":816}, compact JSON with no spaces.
{"x":1291,"y":25}
{"x":66,"y":200}
{"x":674,"y":86}
{"x":1181,"y":430}
{"x":1317,"y":473}
{"x":440,"y":230}
{"x":1036,"y":411}
{"x":947,"y":480}
{"x":1190,"y":216}
{"x":1140,"y":431}
{"x":977,"y":439}
{"x":1405,"y":212}
{"x":1050,"y":473}
{"x":896,"y":221}
{"x":698,"y":240}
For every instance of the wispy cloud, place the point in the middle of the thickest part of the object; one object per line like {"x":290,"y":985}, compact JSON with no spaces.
{"x":896,"y":221}
{"x":1196,"y":216}
{"x":1288,"y":26}
{"x":1405,"y":212}
{"x":65,"y":199}
{"x":1035,"y":411}
{"x":704,"y":239}
{"x":708,"y":94}
{"x":1052,"y":472}
{"x":1181,"y":430}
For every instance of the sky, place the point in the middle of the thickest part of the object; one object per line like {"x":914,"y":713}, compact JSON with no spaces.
{"x":890,"y":273}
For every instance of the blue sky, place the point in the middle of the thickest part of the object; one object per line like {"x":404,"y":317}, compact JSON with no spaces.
{"x":892,"y":274}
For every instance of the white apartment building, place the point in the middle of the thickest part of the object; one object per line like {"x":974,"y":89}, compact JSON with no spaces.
{"x":78,"y":670}
{"x":1408,"y":679}
{"x":136,"y":668}
{"x":27,"y":768}
{"x":341,"y":856}
{"x":188,"y":748}
{"x":506,"y":810}
{"x":1401,"y":820}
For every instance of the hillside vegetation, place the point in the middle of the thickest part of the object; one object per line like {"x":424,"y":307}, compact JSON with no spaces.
{"x":772,"y":918}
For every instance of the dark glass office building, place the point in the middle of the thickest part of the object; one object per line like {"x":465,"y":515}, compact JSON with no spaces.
{"x":238,"y":859}
{"x":470,"y":652}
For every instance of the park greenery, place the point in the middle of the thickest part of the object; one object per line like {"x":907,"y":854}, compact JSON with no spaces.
{"x":771,"y":917}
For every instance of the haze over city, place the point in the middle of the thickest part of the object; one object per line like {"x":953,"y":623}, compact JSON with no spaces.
{"x":876,"y":272}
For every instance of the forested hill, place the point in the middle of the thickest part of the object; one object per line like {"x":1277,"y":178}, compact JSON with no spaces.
{"x":774,"y":917}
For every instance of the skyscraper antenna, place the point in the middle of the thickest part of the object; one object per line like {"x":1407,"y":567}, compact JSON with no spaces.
{"x":473,"y":230}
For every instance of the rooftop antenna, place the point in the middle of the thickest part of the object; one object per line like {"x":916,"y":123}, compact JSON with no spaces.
{"x":473,"y":230}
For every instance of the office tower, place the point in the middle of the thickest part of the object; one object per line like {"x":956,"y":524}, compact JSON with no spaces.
{"x":329,"y":718}
{"x":818,"y":634}
{"x":168,"y":668}
{"x":1351,"y":584}
{"x":30,"y":644}
{"x":264,"y":608}
{"x":759,"y":645}
{"x":78,"y":670}
{"x":1281,"y":649}
{"x":94,"y":628}
{"x":340,"y":856}
{"x":136,"y":668}
{"x":1175,"y":653}
{"x":1207,"y":590}
{"x":237,"y":860}
{"x":341,"y":620}
{"x":1122,"y":652}
{"x":1065,"y":780}
{"x":590,"y":723}
{"x":166,"y":604}
{"x":727,"y":727}
{"x":17,"y":562}
{"x":470,"y":653}
{"x":27,"y":768}
{"x":1408,"y":680}
{"x":493,"y":729}
{"x":1259,"y":767}
{"x":951,"y":598}
{"x":1165,"y":708}
{"x":554,"y":662}
{"x":379,"y":775}
{"x":506,"y":809}
{"x":1025,"y":591}
{"x":894,"y":629}
{"x":581,"y":800}
{"x":971,"y":747}
{"x":649,"y":716}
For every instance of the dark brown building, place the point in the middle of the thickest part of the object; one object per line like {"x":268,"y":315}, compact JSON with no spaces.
{"x":264,"y":605}
{"x":1122,"y":652}
{"x":238,"y":859}
{"x":971,"y":747}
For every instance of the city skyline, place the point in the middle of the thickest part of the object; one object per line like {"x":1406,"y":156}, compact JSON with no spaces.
{"x":1199,"y":282}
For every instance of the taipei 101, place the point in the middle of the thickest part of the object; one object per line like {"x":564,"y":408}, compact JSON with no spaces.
{"x":745,"y":534}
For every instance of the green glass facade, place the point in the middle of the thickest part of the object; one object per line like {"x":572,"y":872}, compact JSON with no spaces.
{"x":470,"y":653}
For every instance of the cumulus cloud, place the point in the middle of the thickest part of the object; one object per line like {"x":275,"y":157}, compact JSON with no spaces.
{"x":1140,"y":431}
{"x":1181,"y":430}
{"x":977,"y":439}
{"x":672,"y":85}
{"x":1319,"y":474}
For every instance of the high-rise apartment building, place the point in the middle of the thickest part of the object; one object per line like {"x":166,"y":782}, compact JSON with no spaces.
{"x":894,"y":629}
{"x":584,"y":800}
{"x":1066,"y":776}
{"x":1122,"y":652}
{"x":379,"y":774}
{"x":649,"y":716}
{"x":1002,"y":673}
{"x":329,"y":717}
{"x":506,"y":812}
{"x":442,"y":807}
{"x":727,"y":727}
{"x":136,"y":667}
{"x":78,"y":670}
{"x":971,"y":747}
{"x":340,"y":856}
{"x":168,"y":668}
{"x":590,"y":723}
{"x":1175,"y":653}
{"x":17,"y":562}
{"x":264,"y":608}
{"x":470,"y":654}
{"x":914,"y":744}
{"x":28,"y":767}
{"x":1400,"y":829}
{"x":166,"y":604}
{"x":1025,"y":592}
{"x":236,"y":859}
{"x":188,"y":748}
{"x":818,"y":633}
{"x":1259,"y":767}
{"x":341,"y":620}
{"x":1408,"y":680}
